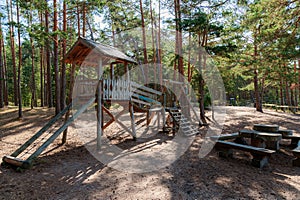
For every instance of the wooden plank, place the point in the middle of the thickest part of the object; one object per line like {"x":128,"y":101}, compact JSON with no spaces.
{"x":147,"y":94}
{"x":225,"y":136}
{"x":285,"y":132}
{"x":141,"y":102}
{"x":146,"y":99}
{"x":134,"y":84}
{"x":16,"y":162}
{"x":252,"y":133}
{"x":257,"y":150}
{"x":290,"y":137}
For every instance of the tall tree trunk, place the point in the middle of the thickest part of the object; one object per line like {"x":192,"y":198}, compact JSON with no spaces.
{"x":33,"y":88}
{"x":295,"y":89}
{"x":41,"y":66}
{"x":175,"y":67}
{"x":155,"y":65}
{"x":12,"y":48}
{"x":48,"y":61}
{"x":152,"y":33}
{"x":255,"y":79}
{"x":281,"y":91}
{"x":143,"y":33}
{"x":63,"y":64}
{"x":299,"y":79}
{"x":5,"y":89}
{"x":42,"y":75}
{"x":287,"y":93}
{"x":20,"y":64}
{"x":158,"y":39}
{"x":1,"y":70}
{"x":55,"y":60}
{"x":287,"y":89}
{"x":256,"y":92}
{"x":201,"y":81}
{"x":189,"y":73}
{"x":78,"y":20}
{"x":179,"y":38}
{"x":45,"y":70}
{"x":90,"y":29}
{"x":83,"y":18}
{"x":144,"y":40}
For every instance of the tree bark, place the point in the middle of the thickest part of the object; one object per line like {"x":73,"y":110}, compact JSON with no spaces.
{"x":55,"y":60}
{"x":1,"y":70}
{"x":12,"y":48}
{"x":255,"y":79}
{"x":49,"y":78}
{"x":5,"y":90}
{"x":144,"y":40}
{"x":42,"y":76}
{"x":201,"y":82}
{"x":281,"y":91}
{"x":20,"y":64}
{"x":33,"y":88}
{"x":83,"y":18}
{"x":78,"y":20}
{"x":63,"y":64}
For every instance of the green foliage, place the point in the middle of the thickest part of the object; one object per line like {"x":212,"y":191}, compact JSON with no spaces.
{"x":233,"y":29}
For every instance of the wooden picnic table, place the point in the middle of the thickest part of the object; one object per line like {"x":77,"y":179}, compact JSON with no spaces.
{"x":262,"y":139}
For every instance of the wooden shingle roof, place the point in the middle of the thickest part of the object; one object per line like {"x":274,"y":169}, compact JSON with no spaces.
{"x":89,"y":51}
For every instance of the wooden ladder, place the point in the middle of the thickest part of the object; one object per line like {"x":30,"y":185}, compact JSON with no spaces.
{"x":180,"y":121}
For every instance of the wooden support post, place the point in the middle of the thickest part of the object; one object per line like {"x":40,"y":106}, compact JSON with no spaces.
{"x":99,"y":107}
{"x":296,"y":152}
{"x":259,"y":160}
{"x":132,"y":121}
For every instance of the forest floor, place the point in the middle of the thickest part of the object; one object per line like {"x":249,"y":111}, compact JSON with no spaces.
{"x":70,"y":172}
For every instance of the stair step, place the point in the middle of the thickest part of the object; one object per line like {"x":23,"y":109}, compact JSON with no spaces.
{"x":190,"y":133}
{"x":179,"y":118}
{"x":176,"y":114}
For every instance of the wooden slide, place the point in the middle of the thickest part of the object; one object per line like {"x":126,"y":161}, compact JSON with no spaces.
{"x":41,"y":140}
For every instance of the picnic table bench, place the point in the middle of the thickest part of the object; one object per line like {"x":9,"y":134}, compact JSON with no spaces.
{"x":296,"y":152}
{"x":294,"y":139}
{"x":262,"y":139}
{"x":225,"y":136}
{"x":260,"y":155}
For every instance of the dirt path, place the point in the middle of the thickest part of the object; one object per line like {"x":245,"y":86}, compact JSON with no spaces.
{"x":71,"y":172}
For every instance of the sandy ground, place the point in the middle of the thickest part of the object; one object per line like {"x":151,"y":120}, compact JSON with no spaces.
{"x":71,"y":172}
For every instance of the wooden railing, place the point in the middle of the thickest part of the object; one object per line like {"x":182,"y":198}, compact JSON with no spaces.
{"x":293,"y":109}
{"x":116,"y":89}
{"x":119,"y":89}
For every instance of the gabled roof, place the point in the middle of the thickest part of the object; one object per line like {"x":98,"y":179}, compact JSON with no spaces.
{"x":85,"y":50}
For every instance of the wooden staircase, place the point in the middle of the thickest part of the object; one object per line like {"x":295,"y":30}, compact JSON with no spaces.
{"x":181,"y":122}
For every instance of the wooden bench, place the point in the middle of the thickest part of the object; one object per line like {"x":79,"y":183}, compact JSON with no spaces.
{"x":260,"y":155}
{"x":225,"y":136}
{"x":294,"y":140}
{"x":296,"y":152}
{"x":285,"y":132}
